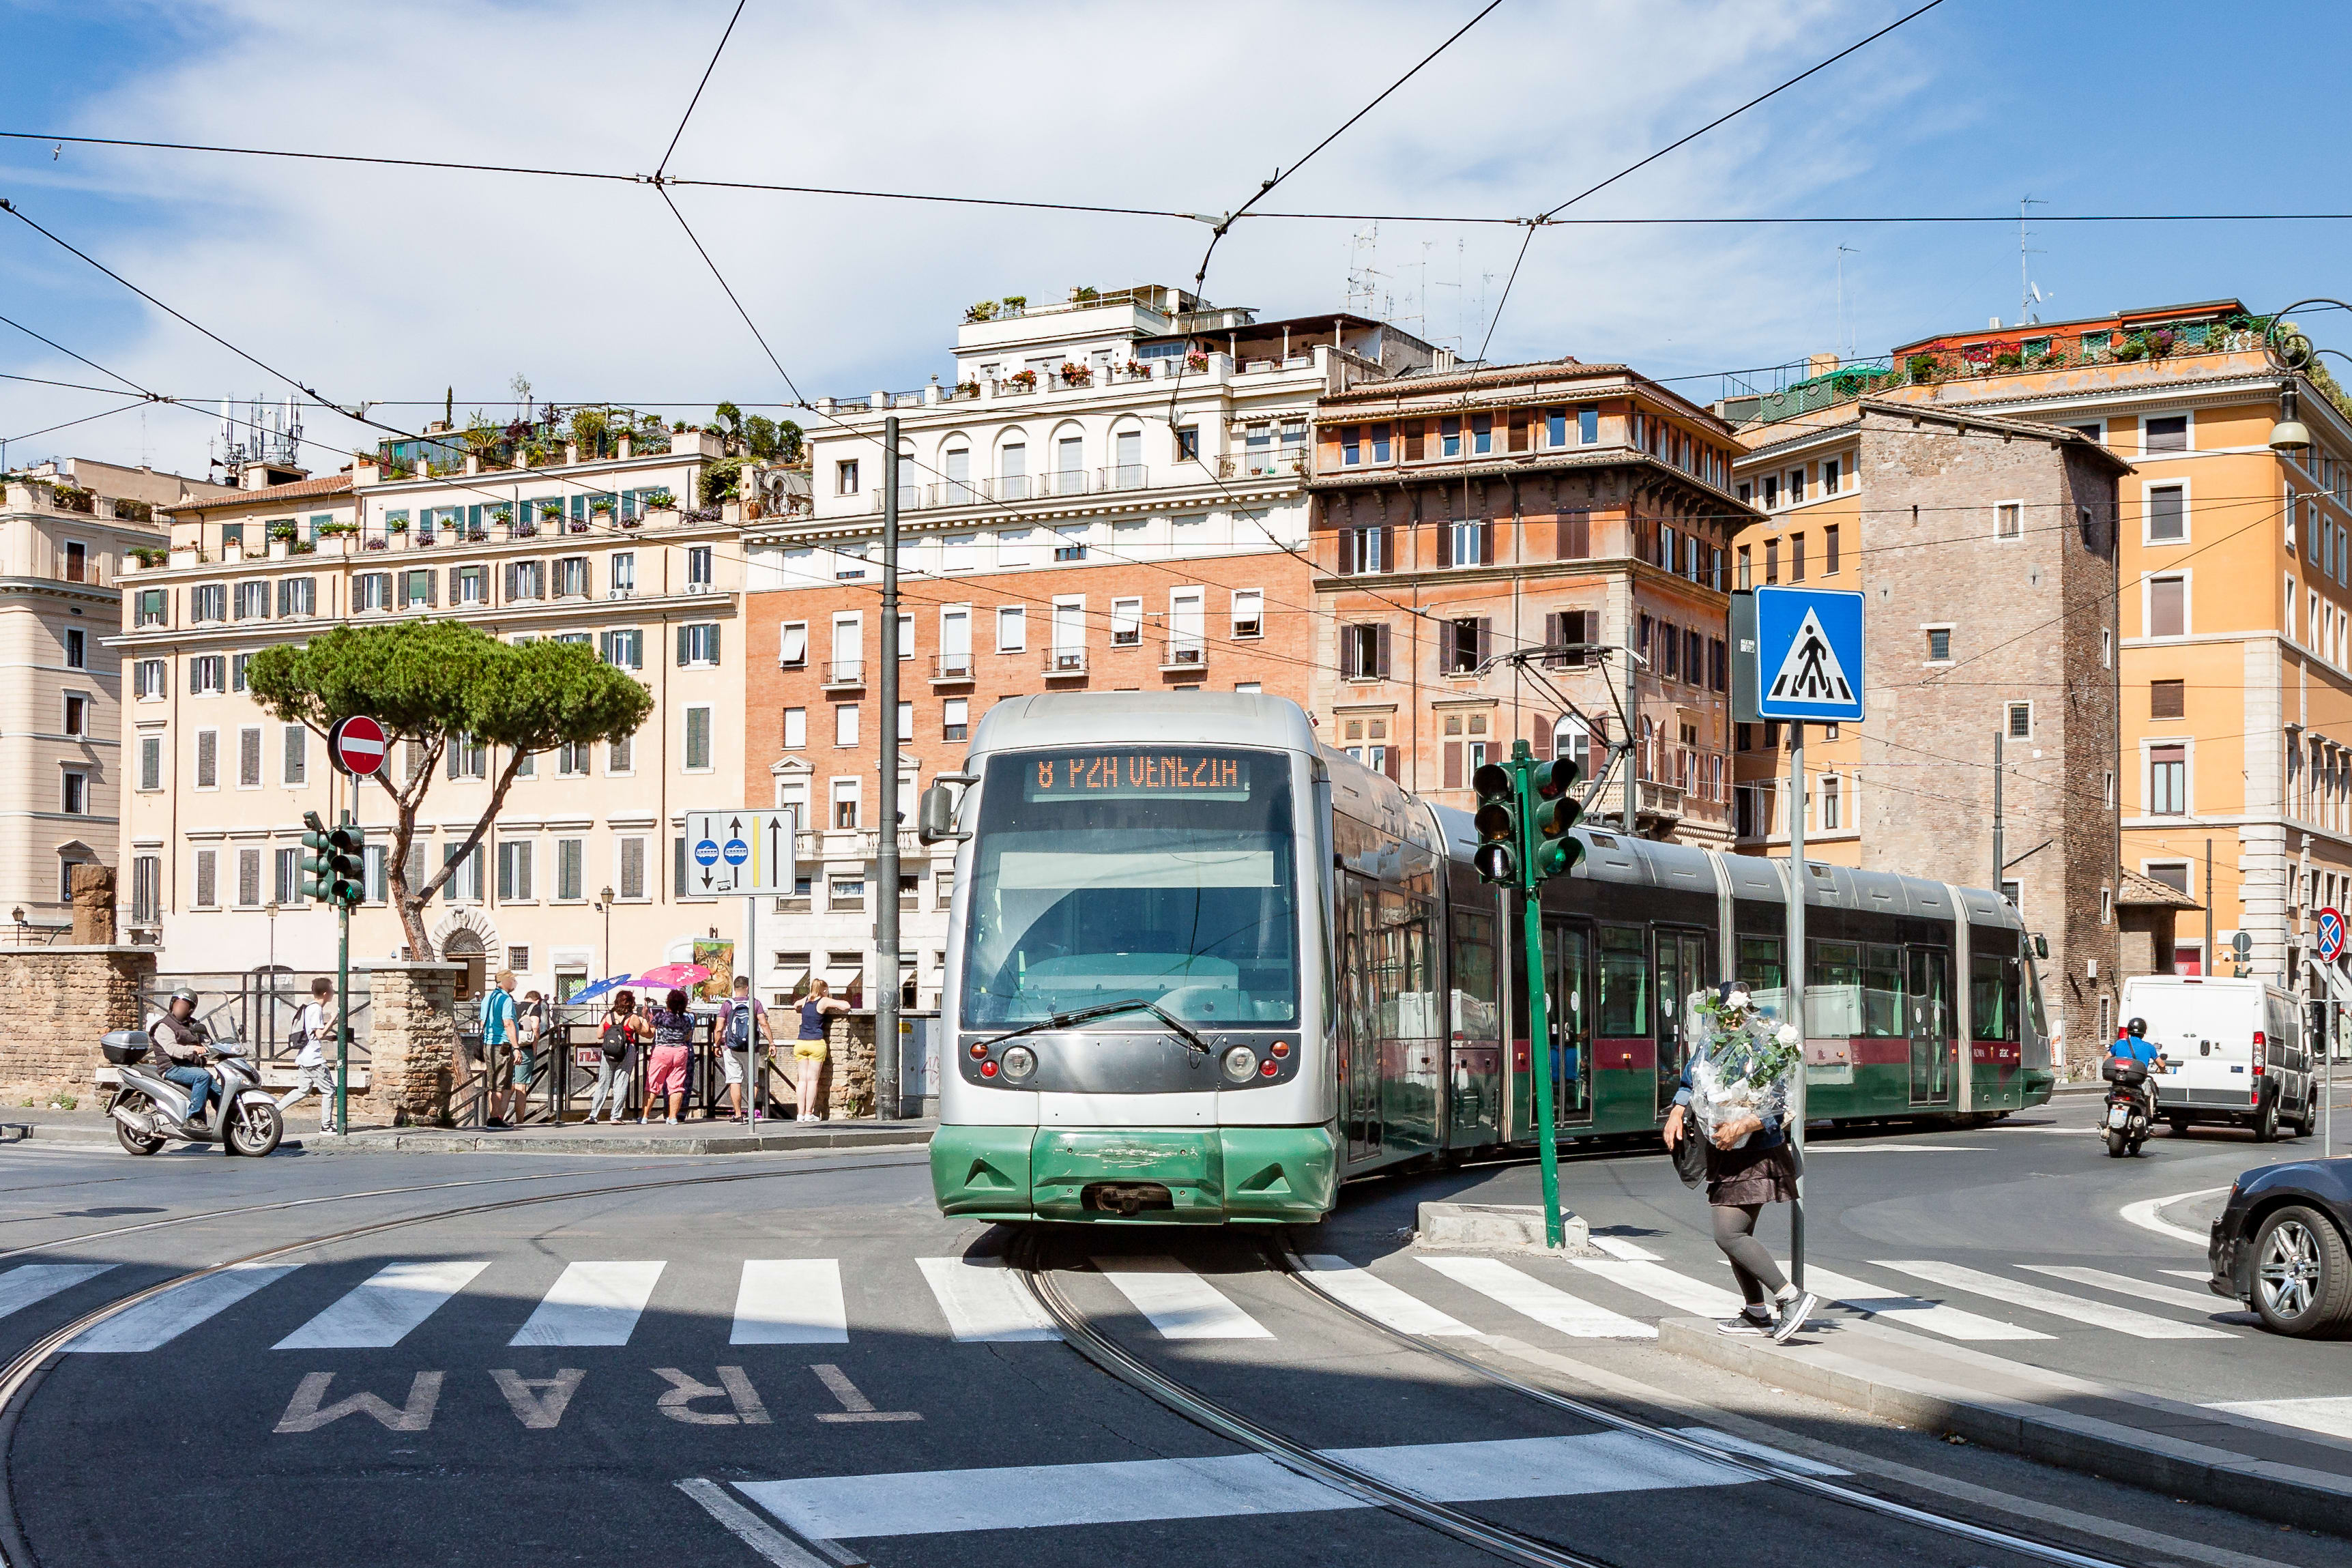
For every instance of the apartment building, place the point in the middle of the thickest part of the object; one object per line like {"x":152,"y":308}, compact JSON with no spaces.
{"x":1462,"y":514}
{"x":66,"y":530}
{"x":597,"y":542}
{"x":1985,"y":547}
{"x":1106,"y":494}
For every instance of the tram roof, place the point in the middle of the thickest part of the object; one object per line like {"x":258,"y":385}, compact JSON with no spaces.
{"x":1626,"y":859}
{"x":1145,"y":717}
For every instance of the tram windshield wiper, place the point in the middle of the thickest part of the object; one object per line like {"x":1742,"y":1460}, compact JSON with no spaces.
{"x":1191,"y":1038}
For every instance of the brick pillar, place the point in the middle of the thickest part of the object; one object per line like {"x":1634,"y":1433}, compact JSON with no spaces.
{"x":412,"y":1041}
{"x":849,"y":1066}
{"x":57,"y":1002}
{"x":93,"y":906}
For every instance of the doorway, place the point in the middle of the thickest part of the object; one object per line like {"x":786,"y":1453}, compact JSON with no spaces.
{"x":1685,"y":963}
{"x":1928,"y":1022}
{"x":1567,"y":959}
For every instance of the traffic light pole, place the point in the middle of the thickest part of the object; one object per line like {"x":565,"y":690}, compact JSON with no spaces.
{"x":1541,"y":1049}
{"x":344,"y":1012}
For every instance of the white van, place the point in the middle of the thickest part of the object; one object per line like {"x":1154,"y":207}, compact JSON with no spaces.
{"x":2233,"y":1052}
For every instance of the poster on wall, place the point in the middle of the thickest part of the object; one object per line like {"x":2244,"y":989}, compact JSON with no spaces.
{"x":718,"y":957}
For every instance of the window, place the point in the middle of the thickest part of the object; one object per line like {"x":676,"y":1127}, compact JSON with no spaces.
{"x":1771,"y":492}
{"x":1249,"y":612}
{"x":2167,"y":434}
{"x":1771,"y":563}
{"x":571,"y":857}
{"x":621,"y":756}
{"x":372,"y":591}
{"x":796,"y":728}
{"x":76,"y":561}
{"x":1126,"y":623}
{"x":845,"y":803}
{"x":248,"y":879}
{"x":1482,"y":434}
{"x":571,"y":760}
{"x":1588,"y":425}
{"x":1796,"y":558}
{"x":955,"y":715}
{"x":2168,"y":514}
{"x":1188,"y":443}
{"x":1449,"y":437}
{"x":632,"y":867}
{"x":1461,"y":645}
{"x":153,"y":607}
{"x":76,"y":714}
{"x":248,"y":757}
{"x":571,"y":577}
{"x":209,"y":602}
{"x":845,"y":893}
{"x":1744,"y":570}
{"x":294,"y":757}
{"x":207,"y":675}
{"x":1351,"y":444}
{"x":1832,"y":804}
{"x":146,"y":889}
{"x":285,"y":883}
{"x":1185,"y":629}
{"x":1830,"y":480}
{"x":2020,"y":720}
{"x":1012,"y":628}
{"x":1364,"y":551}
{"x":2107,"y":647}
{"x":845,"y":477}
{"x":2009,"y":521}
{"x":845,"y":724}
{"x":622,"y":649}
{"x":149,"y":679}
{"x":1364,"y":652}
{"x":906,"y":721}
{"x":299,"y":595}
{"x":622,"y":569}
{"x":697,"y":738}
{"x":375,"y":873}
{"x":76,"y":793}
{"x":418,"y":589}
{"x":151,"y":762}
{"x":209,"y":759}
{"x":2107,"y":789}
{"x":700,"y":566}
{"x":77,"y":644}
{"x":2168,"y":700}
{"x":1939,"y":644}
{"x":1796,"y":486}
{"x":1830,"y":551}
{"x":697,"y":645}
{"x":2167,"y":606}
{"x":1555,"y":426}
{"x":207,"y":880}
{"x":526,"y":580}
{"x":514,"y":871}
{"x":2168,"y":781}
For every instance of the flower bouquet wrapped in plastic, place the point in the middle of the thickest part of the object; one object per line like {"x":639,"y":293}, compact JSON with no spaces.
{"x":1743,"y":1061}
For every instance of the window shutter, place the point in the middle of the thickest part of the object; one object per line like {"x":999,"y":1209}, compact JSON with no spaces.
{"x":1381,"y":652}
{"x":1445,"y":544}
{"x":605,"y":646}
{"x":1518,"y":429}
{"x":1389,"y":762}
{"x":1388,"y":550}
{"x":456,"y":596}
{"x":1485,"y":545}
{"x":432,"y":590}
{"x":1351,"y":659}
{"x":1540,"y":742}
{"x":1453,"y":764}
{"x":714,"y":643}
{"x":681,"y":645}
{"x":1347,"y":552}
{"x":1410,"y":429}
{"x":1485,"y":638}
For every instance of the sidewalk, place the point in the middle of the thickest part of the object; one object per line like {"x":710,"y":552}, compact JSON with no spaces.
{"x":18,"y":1123}
{"x":2278,"y":1473}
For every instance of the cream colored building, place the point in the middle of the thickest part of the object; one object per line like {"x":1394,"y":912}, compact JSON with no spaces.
{"x":62,"y":545}
{"x":583,"y":872}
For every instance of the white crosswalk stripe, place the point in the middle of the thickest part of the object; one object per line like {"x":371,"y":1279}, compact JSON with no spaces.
{"x":1619,"y":1247}
{"x":1660,"y":1283}
{"x":1177,"y":1301}
{"x":984,"y":1303}
{"x":2125,"y":1285}
{"x":1377,"y":1298}
{"x":1546,"y":1304}
{"x":2098,"y":1314}
{"x":789,"y":1301}
{"x":162,"y":1318}
{"x":22,"y":1286}
{"x":590,"y":1304}
{"x":382,"y":1308}
{"x":1912,"y":1311}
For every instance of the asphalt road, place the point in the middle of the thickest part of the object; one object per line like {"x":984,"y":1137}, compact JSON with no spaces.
{"x":807,"y":1342}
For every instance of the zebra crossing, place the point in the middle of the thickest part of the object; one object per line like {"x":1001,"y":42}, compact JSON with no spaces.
{"x":803,"y":1300}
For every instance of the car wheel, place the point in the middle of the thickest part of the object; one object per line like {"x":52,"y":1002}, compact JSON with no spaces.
{"x":2179,"y":1125}
{"x":2266,"y":1124}
{"x":2302,"y":1273}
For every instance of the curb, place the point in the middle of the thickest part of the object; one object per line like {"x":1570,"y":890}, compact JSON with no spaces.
{"x":2280,"y":1492}
{"x":428,"y":1142}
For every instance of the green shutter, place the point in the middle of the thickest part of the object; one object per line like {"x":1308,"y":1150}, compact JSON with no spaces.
{"x":681,"y":645}
{"x":714,"y":643}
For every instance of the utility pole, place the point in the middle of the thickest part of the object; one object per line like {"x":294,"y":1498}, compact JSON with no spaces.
{"x":885,"y":869}
{"x":1632,"y":720}
{"x":1999,"y":849}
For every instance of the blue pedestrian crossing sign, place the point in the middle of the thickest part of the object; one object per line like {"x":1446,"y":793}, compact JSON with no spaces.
{"x":1797,"y":654}
{"x":2331,"y":935}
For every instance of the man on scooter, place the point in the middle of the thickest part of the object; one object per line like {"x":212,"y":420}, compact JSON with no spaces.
{"x":183,"y":1043}
{"x":2133,"y":1043}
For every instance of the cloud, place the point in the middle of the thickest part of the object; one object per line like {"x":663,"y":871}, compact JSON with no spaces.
{"x":384,"y":284}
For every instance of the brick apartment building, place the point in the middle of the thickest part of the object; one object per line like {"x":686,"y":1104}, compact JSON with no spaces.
{"x":1986,"y":549}
{"x":1060,"y":531}
{"x":1462,"y":514}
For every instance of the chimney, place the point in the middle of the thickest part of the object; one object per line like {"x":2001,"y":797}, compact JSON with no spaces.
{"x":1441,"y":360}
{"x":1820,"y":364}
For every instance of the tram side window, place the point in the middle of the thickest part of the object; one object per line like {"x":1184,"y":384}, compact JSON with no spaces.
{"x":1992,"y":997}
{"x":1759,"y":964}
{"x":1833,"y":990}
{"x":1624,"y":981}
{"x":1882,"y":992}
{"x":1404,"y":984}
{"x":1474,"y":993}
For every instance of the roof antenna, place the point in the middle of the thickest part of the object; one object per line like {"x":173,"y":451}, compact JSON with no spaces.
{"x":2029,"y":293}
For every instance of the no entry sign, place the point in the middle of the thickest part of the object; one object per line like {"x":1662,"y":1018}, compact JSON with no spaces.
{"x":358,"y":746}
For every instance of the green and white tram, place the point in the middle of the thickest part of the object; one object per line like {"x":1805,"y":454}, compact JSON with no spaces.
{"x":1203,"y":969}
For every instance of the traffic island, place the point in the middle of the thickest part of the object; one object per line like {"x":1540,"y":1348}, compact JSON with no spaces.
{"x":2232,"y":1461}
{"x":1497,"y":1228}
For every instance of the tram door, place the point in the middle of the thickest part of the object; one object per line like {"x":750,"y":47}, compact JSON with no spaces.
{"x":1359,"y":1043}
{"x":1927,"y":1020}
{"x":1567,"y":961}
{"x":1685,"y":963}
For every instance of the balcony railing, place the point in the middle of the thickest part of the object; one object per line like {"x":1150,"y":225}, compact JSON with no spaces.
{"x":845,"y":672}
{"x":1065,"y":661}
{"x":952,"y":666}
{"x":1115,"y":479}
{"x":1184,"y":653}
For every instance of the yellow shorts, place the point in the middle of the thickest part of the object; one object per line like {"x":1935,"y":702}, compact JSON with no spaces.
{"x":809,"y":1050}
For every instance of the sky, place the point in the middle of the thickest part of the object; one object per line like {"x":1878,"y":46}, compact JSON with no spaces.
{"x":391,"y":286}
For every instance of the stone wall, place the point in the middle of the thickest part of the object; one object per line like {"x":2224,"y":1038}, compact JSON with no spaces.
{"x":849,"y":1084}
{"x":412,"y":1043}
{"x":57,"y":1002}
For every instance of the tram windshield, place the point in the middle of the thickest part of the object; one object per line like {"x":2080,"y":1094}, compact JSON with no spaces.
{"x":1162,"y":873}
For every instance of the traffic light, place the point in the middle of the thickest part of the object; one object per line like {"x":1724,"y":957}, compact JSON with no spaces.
{"x":1557,"y":850}
{"x":317,"y":847}
{"x":347,"y":865}
{"x":1498,"y":822}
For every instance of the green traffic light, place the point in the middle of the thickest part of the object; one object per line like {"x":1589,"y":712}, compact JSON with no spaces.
{"x":1557,"y":856}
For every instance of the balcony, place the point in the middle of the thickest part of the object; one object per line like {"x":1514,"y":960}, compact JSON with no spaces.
{"x":1658,"y":806}
{"x":844,"y":672}
{"x":951,"y":668}
{"x":1064,"y":663}
{"x":1065,"y":483}
{"x":1183,"y":655}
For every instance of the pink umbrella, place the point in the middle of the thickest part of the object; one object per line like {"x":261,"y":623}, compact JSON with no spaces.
{"x":680,"y":976}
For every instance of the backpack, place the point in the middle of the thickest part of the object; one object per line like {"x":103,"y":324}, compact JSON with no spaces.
{"x":614,"y":1040}
{"x":739,"y":1025}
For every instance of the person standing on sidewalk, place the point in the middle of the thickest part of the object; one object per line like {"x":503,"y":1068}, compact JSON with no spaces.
{"x":317,"y":1024}
{"x":1735,"y":1094}
{"x":808,"y":1052}
{"x":530,"y":1028}
{"x":673,"y":1028}
{"x":498,"y":1044}
{"x":742,"y":1028}
{"x":621,"y":1034}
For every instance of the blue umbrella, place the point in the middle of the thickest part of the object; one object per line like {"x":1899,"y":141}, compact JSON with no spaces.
{"x":599,"y":991}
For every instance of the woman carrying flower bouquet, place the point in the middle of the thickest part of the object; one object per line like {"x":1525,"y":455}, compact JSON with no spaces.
{"x":1735,"y":1094}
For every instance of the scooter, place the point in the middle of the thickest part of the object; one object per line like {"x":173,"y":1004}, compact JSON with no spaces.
{"x":2131,"y":1108}
{"x":150,"y":1109}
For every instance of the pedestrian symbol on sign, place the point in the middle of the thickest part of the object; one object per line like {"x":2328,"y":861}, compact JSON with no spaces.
{"x":1810,"y":672}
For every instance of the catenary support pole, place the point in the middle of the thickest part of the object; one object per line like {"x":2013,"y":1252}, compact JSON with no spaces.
{"x":885,"y":869}
{"x":1543,"y":1055}
{"x":1999,"y":825}
{"x":1796,"y":992}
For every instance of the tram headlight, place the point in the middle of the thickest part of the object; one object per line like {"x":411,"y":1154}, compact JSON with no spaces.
{"x":1241,"y":1063}
{"x":1019,"y":1061}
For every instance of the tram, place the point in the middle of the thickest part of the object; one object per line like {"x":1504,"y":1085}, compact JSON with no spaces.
{"x":1203,"y":969}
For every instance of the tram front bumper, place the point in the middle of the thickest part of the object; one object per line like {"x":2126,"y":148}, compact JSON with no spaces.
{"x":1144,"y":1175}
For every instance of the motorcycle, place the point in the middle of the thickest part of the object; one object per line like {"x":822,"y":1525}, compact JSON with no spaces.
{"x":150,"y":1109}
{"x":2131,"y":1105}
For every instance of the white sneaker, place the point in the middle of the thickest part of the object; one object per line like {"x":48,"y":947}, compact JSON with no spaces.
{"x":1745,"y":1324}
{"x":1790,"y":1315}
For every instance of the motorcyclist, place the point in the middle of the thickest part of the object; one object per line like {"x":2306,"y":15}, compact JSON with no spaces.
{"x":185,"y":1043}
{"x":2134,"y":1043}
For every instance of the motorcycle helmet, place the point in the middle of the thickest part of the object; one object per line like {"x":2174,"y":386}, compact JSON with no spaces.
{"x":2137,"y":1027}
{"x":184,"y":993}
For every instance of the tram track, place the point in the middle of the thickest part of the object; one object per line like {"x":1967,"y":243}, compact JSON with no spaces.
{"x":22,"y":1373}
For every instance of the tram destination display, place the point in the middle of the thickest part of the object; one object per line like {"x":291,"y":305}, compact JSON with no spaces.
{"x":1137,"y":774}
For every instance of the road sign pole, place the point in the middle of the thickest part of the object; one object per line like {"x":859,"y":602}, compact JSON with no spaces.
{"x":886,"y":869}
{"x":344,"y":1012}
{"x":751,"y":1039}
{"x":1795,"y":992}
{"x":1541,"y":1056}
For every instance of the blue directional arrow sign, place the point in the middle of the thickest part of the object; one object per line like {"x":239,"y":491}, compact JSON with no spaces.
{"x":706,"y":852}
{"x":737,"y":852}
{"x":1808,"y":655}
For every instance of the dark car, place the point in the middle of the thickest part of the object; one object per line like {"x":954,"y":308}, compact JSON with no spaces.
{"x":2283,"y":1245}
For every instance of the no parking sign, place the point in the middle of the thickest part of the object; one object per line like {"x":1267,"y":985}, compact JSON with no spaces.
{"x":2331,"y":935}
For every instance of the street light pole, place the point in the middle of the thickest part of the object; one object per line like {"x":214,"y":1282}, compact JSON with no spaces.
{"x":886,"y":869}
{"x":604,"y":905}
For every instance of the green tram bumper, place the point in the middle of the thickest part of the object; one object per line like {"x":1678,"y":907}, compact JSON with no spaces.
{"x":1143,"y":1175}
